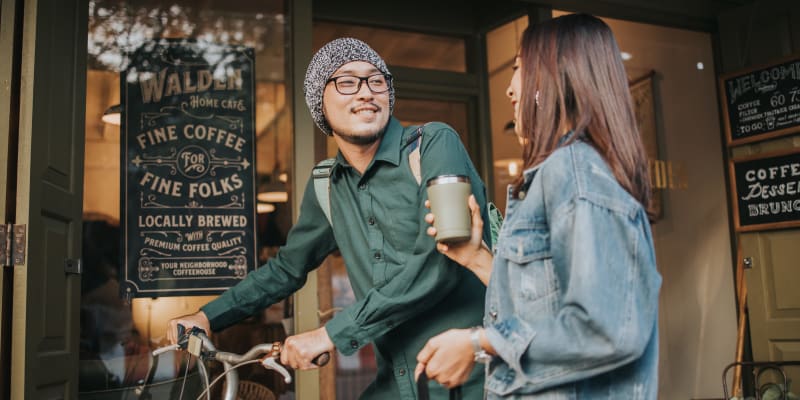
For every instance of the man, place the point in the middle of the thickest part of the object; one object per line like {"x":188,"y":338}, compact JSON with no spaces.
{"x":406,"y":291}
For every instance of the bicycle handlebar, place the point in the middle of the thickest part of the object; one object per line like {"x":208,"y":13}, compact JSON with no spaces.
{"x":271,"y":355}
{"x":206,"y":348}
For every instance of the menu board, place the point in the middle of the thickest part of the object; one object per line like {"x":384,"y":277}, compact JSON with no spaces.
{"x":767,"y":190}
{"x":761,"y":103}
{"x":187,"y":168}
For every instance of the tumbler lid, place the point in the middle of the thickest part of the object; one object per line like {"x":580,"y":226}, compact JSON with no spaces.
{"x":447,"y":179}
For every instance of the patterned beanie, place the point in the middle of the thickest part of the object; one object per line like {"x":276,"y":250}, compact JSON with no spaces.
{"x":328,"y":59}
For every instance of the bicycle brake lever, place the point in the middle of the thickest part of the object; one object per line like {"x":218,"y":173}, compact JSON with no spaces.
{"x":191,"y":337}
{"x":272,"y":363}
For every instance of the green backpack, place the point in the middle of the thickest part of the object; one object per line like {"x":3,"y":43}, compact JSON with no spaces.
{"x":322,"y":184}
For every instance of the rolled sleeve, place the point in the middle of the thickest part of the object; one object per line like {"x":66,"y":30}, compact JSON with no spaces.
{"x":511,"y":338}
{"x":424,"y":281}
{"x":345,"y":333}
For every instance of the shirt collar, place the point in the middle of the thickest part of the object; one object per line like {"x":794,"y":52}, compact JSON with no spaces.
{"x":389,"y":150}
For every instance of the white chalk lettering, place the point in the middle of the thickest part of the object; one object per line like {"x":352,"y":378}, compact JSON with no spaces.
{"x":153,"y":85}
{"x":221,"y":221}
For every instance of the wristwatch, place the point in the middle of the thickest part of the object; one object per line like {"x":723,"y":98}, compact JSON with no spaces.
{"x":481,"y":356}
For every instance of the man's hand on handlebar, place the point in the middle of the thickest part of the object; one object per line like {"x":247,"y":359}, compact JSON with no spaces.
{"x":300,"y":351}
{"x":188,"y":321}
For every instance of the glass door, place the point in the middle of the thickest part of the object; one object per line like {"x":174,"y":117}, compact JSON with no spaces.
{"x":117,"y":330}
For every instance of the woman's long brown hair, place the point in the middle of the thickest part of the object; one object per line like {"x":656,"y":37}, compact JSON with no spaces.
{"x":574,"y":64}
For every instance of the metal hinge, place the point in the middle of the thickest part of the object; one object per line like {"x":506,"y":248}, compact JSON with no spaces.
{"x":12,"y":244}
{"x":73,"y":266}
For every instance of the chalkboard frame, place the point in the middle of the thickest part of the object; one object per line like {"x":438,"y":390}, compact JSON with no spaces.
{"x":734,"y":193}
{"x":144,"y":265}
{"x":730,"y":141}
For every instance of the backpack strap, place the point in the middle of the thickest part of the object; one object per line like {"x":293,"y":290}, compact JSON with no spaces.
{"x":322,"y":172}
{"x":414,"y":144}
{"x":322,"y":185}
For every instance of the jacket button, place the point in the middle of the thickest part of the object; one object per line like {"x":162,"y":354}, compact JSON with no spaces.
{"x":371,"y":220}
{"x":493,"y":314}
{"x":521,"y":195}
{"x":354,"y":344}
{"x":362,"y":186}
{"x":377,"y":255}
{"x":402,"y":371}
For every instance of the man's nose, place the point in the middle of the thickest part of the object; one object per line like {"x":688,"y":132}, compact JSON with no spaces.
{"x":364,"y":91}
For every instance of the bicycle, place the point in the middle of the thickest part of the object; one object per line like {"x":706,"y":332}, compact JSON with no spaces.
{"x":197,"y":344}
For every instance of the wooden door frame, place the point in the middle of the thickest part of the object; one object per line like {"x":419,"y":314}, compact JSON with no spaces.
{"x":10,"y":43}
{"x":49,"y":181}
{"x":306,"y":302}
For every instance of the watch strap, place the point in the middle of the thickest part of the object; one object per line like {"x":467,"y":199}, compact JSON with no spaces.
{"x":480,"y":355}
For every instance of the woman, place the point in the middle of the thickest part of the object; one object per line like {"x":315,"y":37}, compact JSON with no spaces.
{"x":572,"y":303}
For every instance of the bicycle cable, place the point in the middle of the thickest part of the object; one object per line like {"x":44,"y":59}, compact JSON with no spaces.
{"x":185,"y":374}
{"x":222,"y":375}
{"x":204,"y":373}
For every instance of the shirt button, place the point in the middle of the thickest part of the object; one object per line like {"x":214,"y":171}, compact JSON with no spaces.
{"x":354,"y":344}
{"x":377,"y":255}
{"x":402,"y":371}
{"x":371,"y":220}
{"x":362,"y":186}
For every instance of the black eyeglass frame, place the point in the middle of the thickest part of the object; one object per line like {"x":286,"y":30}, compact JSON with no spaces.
{"x":361,"y":80}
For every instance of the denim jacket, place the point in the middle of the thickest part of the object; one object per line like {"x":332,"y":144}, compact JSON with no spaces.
{"x":572,"y":304}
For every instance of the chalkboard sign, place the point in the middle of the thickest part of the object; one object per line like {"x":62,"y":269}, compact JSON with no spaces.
{"x":187,"y":157}
{"x":762,"y":102}
{"x":767,"y":190}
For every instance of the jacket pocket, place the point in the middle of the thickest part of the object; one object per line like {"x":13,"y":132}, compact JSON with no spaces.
{"x":524,"y":243}
{"x":530,"y":267}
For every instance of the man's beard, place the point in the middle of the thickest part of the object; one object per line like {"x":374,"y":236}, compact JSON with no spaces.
{"x":361,"y":140}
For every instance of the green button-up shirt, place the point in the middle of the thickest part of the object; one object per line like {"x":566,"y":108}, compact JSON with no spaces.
{"x":406,"y":291}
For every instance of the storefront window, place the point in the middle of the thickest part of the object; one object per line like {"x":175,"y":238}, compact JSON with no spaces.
{"x":120,"y":327}
{"x":420,"y":111}
{"x":400,"y":48}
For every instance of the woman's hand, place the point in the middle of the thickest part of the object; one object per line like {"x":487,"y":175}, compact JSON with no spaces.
{"x":447,"y":358}
{"x":472,"y":253}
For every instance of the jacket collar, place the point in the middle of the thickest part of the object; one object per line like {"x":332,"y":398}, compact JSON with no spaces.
{"x":564,"y":140}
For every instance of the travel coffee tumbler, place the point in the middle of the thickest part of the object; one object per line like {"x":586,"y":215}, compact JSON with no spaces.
{"x":448,"y":195}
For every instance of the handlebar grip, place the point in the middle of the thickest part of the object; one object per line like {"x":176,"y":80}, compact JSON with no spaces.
{"x":181,"y":330}
{"x":322,"y":359}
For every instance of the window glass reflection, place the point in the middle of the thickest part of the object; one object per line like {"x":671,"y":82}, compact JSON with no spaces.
{"x":118,"y":334}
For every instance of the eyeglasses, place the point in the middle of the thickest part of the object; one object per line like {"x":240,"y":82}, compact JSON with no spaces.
{"x":348,"y":84}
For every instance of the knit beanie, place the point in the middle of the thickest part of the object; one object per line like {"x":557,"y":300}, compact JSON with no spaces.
{"x":328,"y":59}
